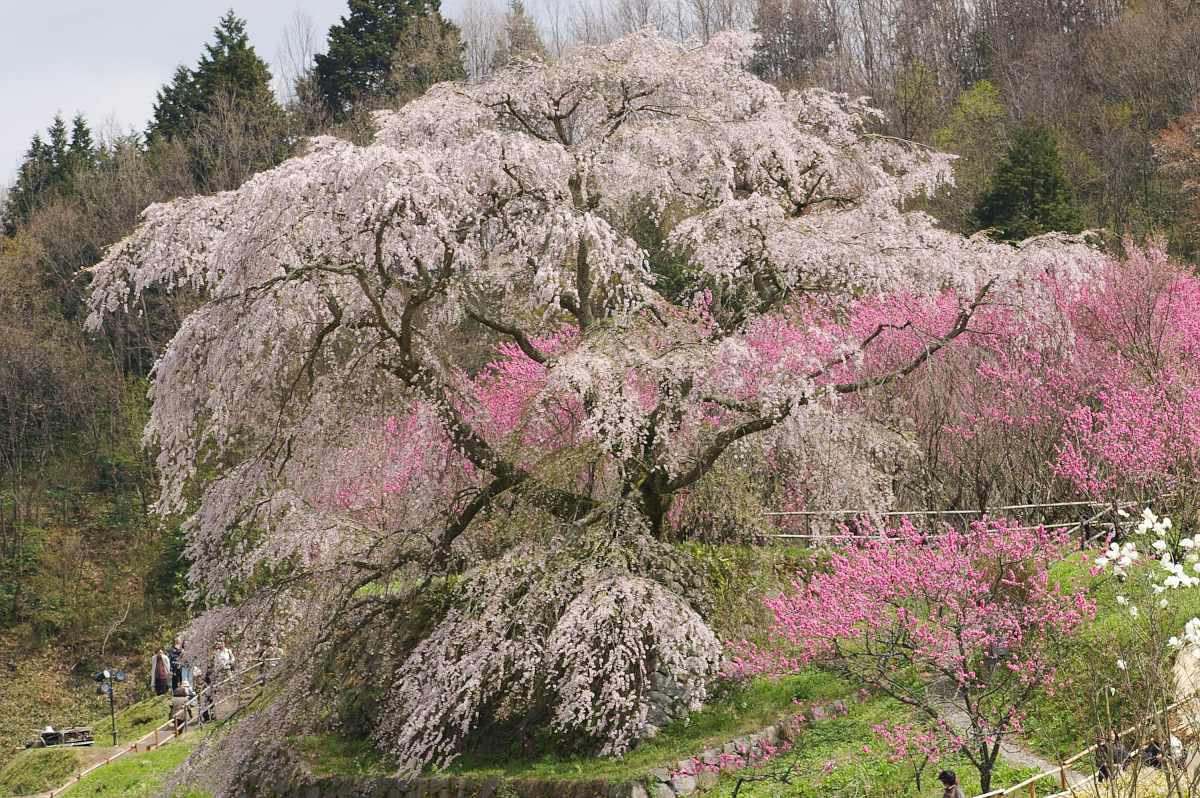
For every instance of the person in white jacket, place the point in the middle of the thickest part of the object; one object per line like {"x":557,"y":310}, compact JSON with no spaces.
{"x":222,"y":660}
{"x":160,"y":672}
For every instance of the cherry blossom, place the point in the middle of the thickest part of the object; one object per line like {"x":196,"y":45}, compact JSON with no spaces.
{"x":413,"y":359}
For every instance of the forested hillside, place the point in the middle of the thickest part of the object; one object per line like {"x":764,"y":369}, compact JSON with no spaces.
{"x":463,"y":358}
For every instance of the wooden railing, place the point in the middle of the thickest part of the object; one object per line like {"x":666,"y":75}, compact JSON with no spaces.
{"x":168,"y":731}
{"x":1059,"y":773}
{"x":1100,"y":510}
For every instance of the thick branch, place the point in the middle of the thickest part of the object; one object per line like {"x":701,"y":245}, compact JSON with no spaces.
{"x":732,"y":435}
{"x":531,"y":351}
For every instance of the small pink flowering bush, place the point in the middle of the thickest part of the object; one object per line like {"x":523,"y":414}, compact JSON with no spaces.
{"x":965,"y":618}
{"x":920,"y":746}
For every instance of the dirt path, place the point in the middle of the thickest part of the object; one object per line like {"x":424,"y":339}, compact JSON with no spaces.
{"x":1011,"y":748}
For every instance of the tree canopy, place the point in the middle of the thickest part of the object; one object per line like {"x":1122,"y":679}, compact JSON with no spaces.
{"x":1029,"y":194}
{"x":49,"y":168}
{"x":360,"y":56}
{"x":447,"y":352}
{"x":518,"y":38}
{"x":229,"y":68}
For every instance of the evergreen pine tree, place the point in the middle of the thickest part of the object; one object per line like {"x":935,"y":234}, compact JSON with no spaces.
{"x":34,"y":177}
{"x":359,"y":63}
{"x":48,"y":168}
{"x":519,"y":40}
{"x":1029,"y":194}
{"x":175,"y":107}
{"x":58,"y":146}
{"x":82,"y":151}
{"x":230,"y":65}
{"x":229,"y":68}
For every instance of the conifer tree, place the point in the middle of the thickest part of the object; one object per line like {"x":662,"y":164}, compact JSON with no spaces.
{"x":175,"y":106}
{"x":359,"y":63}
{"x":33,"y":177}
{"x":49,"y":167}
{"x":230,"y":65}
{"x":229,"y":68}
{"x":1029,"y":194}
{"x":58,"y":150}
{"x":81,"y":153}
{"x":519,"y":40}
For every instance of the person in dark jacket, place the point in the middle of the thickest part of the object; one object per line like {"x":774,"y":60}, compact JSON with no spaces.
{"x":1152,"y":755}
{"x":175,"y":655}
{"x":950,"y":783}
{"x":1110,"y":757}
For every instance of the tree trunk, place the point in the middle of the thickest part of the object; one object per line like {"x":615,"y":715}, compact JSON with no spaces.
{"x":655,"y":504}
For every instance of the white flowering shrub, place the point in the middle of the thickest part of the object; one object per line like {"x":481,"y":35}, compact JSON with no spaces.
{"x":1151,"y":653}
{"x":1176,"y":565}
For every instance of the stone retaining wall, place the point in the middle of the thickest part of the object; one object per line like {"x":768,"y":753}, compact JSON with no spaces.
{"x":690,"y":776}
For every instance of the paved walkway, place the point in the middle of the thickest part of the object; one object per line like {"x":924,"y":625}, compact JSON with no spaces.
{"x":1010,"y":748}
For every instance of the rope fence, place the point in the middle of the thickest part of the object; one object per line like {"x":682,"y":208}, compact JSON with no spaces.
{"x":984,"y":511}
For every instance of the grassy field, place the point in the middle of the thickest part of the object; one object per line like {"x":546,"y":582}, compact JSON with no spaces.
{"x":738,"y":712}
{"x":843,"y":757}
{"x":39,"y":769}
{"x":742,"y":711}
{"x":834,"y":757}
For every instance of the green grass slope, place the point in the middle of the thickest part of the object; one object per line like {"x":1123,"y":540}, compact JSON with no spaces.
{"x":138,"y":775}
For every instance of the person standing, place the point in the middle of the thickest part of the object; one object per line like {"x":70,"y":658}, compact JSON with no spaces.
{"x":175,"y":655}
{"x":220,"y":674}
{"x":186,"y":672}
{"x":222,"y":662}
{"x":950,"y":782}
{"x":181,"y":706}
{"x":1110,"y":757}
{"x":160,"y":672}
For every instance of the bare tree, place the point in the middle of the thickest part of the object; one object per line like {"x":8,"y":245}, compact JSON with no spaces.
{"x":294,"y":59}
{"x":713,"y":16}
{"x":556,"y":21}
{"x":297,"y":88}
{"x":591,"y":22}
{"x":480,"y":22}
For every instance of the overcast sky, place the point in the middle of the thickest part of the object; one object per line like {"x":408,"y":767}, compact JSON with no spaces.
{"x":107,"y":58}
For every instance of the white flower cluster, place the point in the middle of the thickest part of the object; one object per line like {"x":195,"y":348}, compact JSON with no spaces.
{"x":1166,"y":546}
{"x":1121,"y":557}
{"x":1191,"y":634}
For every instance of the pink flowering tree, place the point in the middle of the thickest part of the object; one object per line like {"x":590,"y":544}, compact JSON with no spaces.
{"x":959,"y":626}
{"x":1095,"y":395}
{"x":1139,"y":435}
{"x":532,"y":317}
{"x":919,"y":745}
